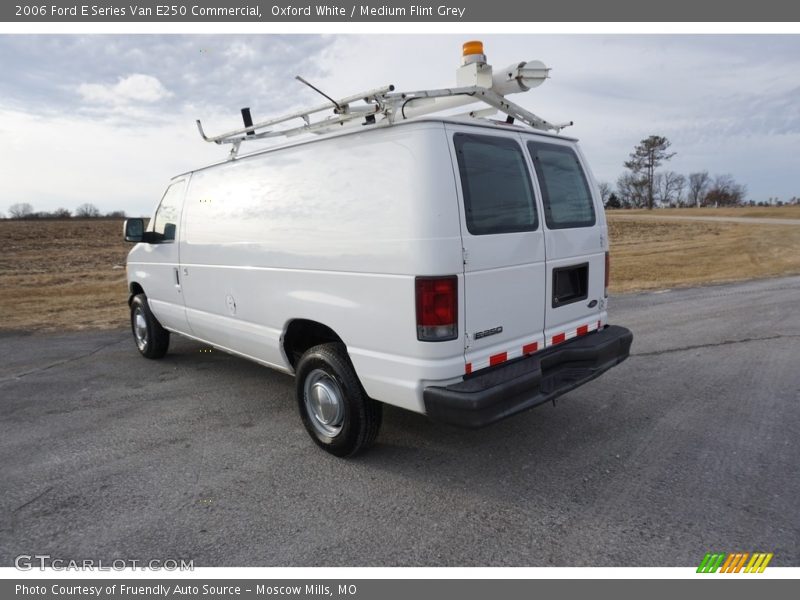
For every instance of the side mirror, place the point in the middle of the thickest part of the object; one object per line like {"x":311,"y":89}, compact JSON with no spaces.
{"x":134,"y":230}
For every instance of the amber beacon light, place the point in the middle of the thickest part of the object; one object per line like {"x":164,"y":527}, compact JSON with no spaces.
{"x":472,"y":47}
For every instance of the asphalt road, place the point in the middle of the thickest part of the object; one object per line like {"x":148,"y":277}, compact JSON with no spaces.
{"x":691,"y":445}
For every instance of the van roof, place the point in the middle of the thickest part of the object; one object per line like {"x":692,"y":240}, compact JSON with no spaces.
{"x":475,"y":122}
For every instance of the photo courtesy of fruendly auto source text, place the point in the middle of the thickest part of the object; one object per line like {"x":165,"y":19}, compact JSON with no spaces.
{"x":374,"y":301}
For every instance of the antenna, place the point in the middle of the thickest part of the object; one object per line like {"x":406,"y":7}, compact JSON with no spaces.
{"x":384,"y":107}
{"x":319,"y":91}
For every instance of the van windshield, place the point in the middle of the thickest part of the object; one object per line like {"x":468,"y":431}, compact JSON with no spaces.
{"x":498,"y":196}
{"x":565,"y":192}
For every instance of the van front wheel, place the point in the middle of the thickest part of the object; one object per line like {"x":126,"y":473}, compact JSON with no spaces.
{"x":151,"y":338}
{"x":335,"y":409}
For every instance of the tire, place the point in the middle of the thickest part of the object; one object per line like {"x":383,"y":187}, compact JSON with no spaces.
{"x":335,"y":409}
{"x":151,"y":338}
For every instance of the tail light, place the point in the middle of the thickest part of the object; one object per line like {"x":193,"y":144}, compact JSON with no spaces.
{"x":437,"y":308}
{"x":608,"y":273}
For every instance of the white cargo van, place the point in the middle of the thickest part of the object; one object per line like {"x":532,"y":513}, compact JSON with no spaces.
{"x":452,"y":266}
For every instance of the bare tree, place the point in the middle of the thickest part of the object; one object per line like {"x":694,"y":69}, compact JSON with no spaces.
{"x":680,"y":185}
{"x":116,"y":214}
{"x":725,"y":191}
{"x":632,"y":190}
{"x":646,"y":157}
{"x":698,"y":186}
{"x":87,"y":211}
{"x":21,"y":210}
{"x":669,"y":187}
{"x":605,"y":191}
{"x":658,"y":182}
{"x":61,"y":213}
{"x":613,"y":202}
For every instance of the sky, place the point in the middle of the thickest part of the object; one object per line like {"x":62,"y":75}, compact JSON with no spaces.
{"x":108,"y":119}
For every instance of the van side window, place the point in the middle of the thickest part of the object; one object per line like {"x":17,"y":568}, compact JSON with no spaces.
{"x":498,"y":195}
{"x":168,"y":213}
{"x":565,"y":192}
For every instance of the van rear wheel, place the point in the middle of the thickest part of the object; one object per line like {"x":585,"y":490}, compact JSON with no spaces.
{"x":151,"y":338}
{"x":335,"y":409}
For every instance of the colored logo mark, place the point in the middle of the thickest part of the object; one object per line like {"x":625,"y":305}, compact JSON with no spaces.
{"x":735,"y":562}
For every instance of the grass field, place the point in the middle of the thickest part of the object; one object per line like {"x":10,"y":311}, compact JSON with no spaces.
{"x":66,"y":274}
{"x":760,"y":212}
{"x":653,"y":254}
{"x":70,"y":274}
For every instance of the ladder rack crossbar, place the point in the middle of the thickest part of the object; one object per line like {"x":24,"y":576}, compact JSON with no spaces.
{"x":381,"y":105}
{"x":232,"y":136}
{"x":289,"y":132}
{"x":486,"y":95}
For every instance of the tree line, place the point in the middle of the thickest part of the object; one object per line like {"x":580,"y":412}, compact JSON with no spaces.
{"x":24,"y":210}
{"x":643,"y":185}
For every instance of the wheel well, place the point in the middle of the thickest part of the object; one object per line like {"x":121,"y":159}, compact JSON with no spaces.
{"x":302,"y":334}
{"x":136,"y":289}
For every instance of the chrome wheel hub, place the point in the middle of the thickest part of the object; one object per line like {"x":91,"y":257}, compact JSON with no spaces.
{"x":140,"y":328}
{"x":324,"y":403}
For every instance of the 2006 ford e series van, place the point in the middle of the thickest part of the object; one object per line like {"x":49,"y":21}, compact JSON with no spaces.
{"x":450,"y":265}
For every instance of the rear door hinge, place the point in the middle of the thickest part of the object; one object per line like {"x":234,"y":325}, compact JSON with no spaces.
{"x":464,"y":255}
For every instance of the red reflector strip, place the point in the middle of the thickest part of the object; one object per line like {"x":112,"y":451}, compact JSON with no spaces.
{"x":498,"y":358}
{"x":528,"y":349}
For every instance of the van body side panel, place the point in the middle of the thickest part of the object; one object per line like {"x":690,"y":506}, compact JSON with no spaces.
{"x":602,"y":226}
{"x":335,"y":232}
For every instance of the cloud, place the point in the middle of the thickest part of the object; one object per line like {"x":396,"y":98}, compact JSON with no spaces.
{"x":81,"y":73}
{"x":86,"y":159}
{"x":239,"y":50}
{"x":130,"y":89}
{"x":118,"y":111}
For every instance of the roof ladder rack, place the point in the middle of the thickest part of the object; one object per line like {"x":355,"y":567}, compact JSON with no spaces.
{"x":383,"y":105}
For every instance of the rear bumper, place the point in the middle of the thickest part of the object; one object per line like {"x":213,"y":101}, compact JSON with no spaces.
{"x":502,"y":391}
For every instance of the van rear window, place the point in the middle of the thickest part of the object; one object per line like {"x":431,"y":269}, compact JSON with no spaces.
{"x":498,"y":195}
{"x":565,"y":192}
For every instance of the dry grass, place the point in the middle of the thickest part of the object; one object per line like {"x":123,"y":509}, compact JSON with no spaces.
{"x":63,"y":274}
{"x":70,"y":274}
{"x":655,"y":254}
{"x":760,"y":212}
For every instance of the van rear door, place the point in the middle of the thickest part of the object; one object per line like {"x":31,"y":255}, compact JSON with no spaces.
{"x":504,"y":246}
{"x":575,"y":238}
